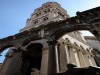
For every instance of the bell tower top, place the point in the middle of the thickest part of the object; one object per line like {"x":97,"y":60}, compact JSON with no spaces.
{"x":49,"y":11}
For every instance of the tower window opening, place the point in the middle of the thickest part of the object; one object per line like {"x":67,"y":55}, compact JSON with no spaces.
{"x":36,"y":21}
{"x":45,"y":18}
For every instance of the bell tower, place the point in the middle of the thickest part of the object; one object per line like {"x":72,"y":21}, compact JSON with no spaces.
{"x":48,"y":12}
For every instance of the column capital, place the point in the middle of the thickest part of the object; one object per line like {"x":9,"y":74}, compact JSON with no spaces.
{"x":52,"y":42}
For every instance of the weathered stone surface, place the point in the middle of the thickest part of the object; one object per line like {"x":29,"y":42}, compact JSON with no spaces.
{"x":51,"y":31}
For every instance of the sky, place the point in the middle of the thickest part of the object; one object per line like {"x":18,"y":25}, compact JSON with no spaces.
{"x":14,"y":13}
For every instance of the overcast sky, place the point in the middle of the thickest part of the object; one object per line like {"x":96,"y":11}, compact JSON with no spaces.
{"x":14,"y":13}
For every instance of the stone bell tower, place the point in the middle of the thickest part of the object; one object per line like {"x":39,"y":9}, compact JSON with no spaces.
{"x":48,"y":12}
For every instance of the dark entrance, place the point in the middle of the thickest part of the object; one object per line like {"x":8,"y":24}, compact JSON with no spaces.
{"x":32,"y":59}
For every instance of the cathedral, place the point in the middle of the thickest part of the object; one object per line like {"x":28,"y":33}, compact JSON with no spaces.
{"x":71,"y":48}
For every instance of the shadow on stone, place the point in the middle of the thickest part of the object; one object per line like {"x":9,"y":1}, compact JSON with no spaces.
{"x":74,"y":70}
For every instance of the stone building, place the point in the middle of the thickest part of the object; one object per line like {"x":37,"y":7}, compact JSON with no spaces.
{"x":70,"y":48}
{"x":95,"y":44}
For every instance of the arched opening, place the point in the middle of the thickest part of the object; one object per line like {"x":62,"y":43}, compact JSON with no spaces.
{"x":60,"y":31}
{"x":86,"y":33}
{"x":2,"y":55}
{"x":32,"y":59}
{"x":78,"y":46}
{"x":6,"y":55}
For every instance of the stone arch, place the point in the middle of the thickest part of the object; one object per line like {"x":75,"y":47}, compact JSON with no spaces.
{"x":34,"y":45}
{"x":5,"y":54}
{"x":60,"y":31}
{"x":2,"y":48}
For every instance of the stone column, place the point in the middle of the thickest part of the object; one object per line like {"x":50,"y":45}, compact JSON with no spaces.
{"x":93,"y":61}
{"x":77,"y":57}
{"x":86,"y":60}
{"x":82,"y":63}
{"x":52,"y":67}
{"x":44,"y":62}
{"x":90,"y":61}
{"x":62,"y":57}
{"x":67,"y":54}
{"x":7,"y":61}
{"x":5,"y":65}
{"x":57,"y":61}
{"x":13,"y":67}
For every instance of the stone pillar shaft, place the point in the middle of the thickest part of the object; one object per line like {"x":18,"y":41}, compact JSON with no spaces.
{"x":44,"y":62}
{"x":14,"y":64}
{"x":67,"y":55}
{"x":52,"y":67}
{"x":57,"y":61}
